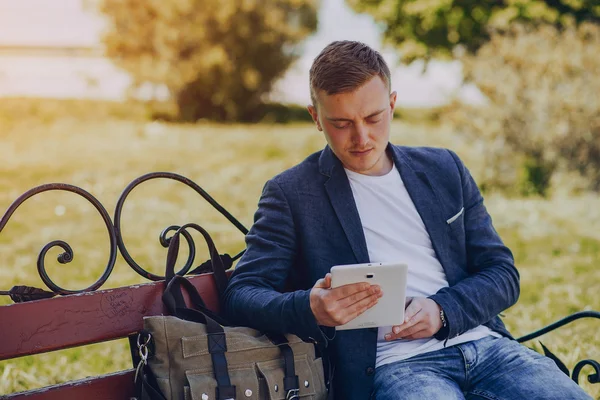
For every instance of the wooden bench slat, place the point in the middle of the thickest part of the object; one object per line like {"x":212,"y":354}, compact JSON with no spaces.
{"x":112,"y":386}
{"x":75,"y":320}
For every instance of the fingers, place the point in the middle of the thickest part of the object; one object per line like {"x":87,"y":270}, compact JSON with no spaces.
{"x":328,"y":280}
{"x":345,"y":310}
{"x":349,"y":290}
{"x":410,"y":320}
{"x":324,"y":283}
{"x":348,"y":294}
{"x":417,"y":331}
{"x":374,"y":290}
{"x":412,"y":309}
{"x":337,"y":306}
{"x":421,"y":320}
{"x":358,"y":308}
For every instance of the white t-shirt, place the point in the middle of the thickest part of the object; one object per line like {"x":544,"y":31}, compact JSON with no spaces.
{"x":395,"y":232}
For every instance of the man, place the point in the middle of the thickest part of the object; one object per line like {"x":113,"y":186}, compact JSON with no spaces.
{"x":362,"y":199}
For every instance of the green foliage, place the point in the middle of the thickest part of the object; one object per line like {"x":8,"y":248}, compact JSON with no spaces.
{"x":433,"y":28}
{"x":284,"y":113}
{"x":217,"y":58}
{"x":537,"y":175}
{"x":543,"y":110}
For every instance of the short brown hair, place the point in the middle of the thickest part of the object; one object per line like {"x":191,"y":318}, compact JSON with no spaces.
{"x":344,"y":66}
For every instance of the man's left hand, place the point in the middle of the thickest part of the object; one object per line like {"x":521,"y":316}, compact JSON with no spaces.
{"x":421,"y":320}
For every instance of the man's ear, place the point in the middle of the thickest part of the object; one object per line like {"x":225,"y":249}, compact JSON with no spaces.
{"x":393,"y":97}
{"x":315,"y":116}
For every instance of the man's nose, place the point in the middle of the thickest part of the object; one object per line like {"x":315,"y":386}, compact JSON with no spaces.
{"x":361,"y":135}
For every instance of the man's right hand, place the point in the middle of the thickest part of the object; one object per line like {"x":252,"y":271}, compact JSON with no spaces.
{"x":338,"y":306}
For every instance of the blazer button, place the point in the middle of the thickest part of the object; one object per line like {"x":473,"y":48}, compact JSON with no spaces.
{"x":370,"y":371}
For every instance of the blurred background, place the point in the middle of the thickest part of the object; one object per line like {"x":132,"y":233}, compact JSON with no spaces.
{"x":98,"y":92}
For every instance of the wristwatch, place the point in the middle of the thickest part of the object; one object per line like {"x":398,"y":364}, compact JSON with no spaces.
{"x":443,"y":318}
{"x":444,"y":330}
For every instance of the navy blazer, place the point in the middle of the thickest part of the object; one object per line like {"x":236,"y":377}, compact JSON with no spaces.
{"x":307,"y":221}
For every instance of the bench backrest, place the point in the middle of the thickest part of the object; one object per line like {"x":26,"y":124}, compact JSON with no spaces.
{"x":75,"y":320}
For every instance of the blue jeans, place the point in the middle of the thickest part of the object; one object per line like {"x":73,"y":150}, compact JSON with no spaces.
{"x":489,"y":368}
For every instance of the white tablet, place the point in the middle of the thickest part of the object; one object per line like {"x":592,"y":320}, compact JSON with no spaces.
{"x":391,"y":277}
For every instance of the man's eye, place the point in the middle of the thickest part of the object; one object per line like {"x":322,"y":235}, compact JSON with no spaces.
{"x":373,"y":121}
{"x":343,"y":126}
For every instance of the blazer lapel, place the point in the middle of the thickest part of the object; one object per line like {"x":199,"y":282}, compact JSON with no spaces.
{"x":427,"y":202}
{"x":341,"y":198}
{"x":420,"y":190}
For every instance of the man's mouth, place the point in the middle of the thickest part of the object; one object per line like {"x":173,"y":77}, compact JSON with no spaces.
{"x":360,"y":152}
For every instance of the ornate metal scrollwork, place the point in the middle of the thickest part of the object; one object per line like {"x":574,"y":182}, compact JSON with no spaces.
{"x":25,"y":293}
{"x":592,"y":378}
{"x":67,"y":256}
{"x":163,"y":239}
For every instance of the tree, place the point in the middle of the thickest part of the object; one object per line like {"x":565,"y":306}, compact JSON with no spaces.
{"x":525,"y":56}
{"x":424,"y":29}
{"x":543,"y":111}
{"x":217,"y":58}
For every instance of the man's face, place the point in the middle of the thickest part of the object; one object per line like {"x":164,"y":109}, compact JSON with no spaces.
{"x":357,"y":125}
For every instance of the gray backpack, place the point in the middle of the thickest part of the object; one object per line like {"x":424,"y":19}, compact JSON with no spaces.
{"x":194,"y":355}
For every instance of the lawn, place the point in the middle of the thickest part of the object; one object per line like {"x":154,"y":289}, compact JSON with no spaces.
{"x":556,"y":241}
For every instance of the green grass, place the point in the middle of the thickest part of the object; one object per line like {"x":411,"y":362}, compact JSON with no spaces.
{"x":556,"y":241}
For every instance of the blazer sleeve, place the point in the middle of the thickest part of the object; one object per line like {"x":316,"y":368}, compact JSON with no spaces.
{"x":255,"y":294}
{"x":492,"y":284}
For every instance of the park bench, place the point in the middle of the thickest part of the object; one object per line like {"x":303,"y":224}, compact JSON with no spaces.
{"x":43,"y":321}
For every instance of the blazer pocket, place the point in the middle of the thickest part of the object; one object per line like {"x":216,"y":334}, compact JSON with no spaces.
{"x":455,"y":220}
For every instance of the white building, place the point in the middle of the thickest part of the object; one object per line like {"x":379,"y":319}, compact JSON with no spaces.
{"x":51,"y":48}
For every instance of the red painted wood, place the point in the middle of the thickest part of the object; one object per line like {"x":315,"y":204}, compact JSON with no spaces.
{"x":117,"y":386}
{"x":68,"y":321}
